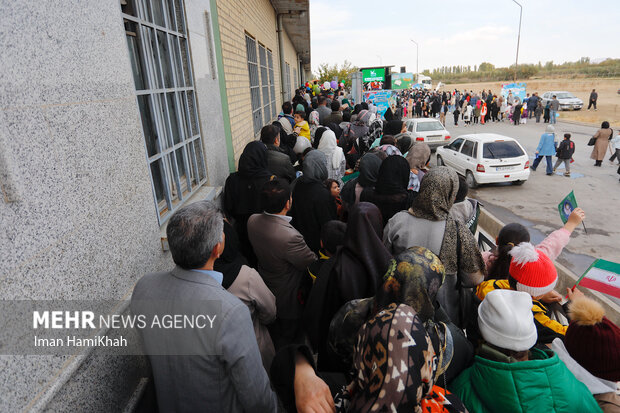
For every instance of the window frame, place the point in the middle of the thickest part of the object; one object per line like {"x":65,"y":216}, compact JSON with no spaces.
{"x":176,"y":150}
{"x":255,"y":88}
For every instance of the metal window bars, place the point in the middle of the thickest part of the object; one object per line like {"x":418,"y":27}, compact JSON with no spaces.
{"x":166,"y":99}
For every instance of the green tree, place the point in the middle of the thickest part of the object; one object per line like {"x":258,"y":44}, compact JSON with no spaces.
{"x":486,"y":67}
{"x":327,"y":72}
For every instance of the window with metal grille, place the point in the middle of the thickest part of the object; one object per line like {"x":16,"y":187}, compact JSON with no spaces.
{"x":264,"y":77}
{"x":250,"y":46}
{"x":295,"y":80}
{"x":287,"y":83}
{"x":162,"y":71}
{"x":272,"y":85}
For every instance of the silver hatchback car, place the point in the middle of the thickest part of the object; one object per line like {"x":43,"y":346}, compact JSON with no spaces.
{"x":567,"y":100}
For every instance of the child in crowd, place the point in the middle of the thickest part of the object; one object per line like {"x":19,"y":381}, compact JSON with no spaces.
{"x":509,"y":374}
{"x":332,"y":236}
{"x":533,"y":272}
{"x":590,"y":351}
{"x":456,"y":112}
{"x":565,"y":153}
{"x":498,"y":260}
{"x":301,"y":126}
{"x":334,"y":190}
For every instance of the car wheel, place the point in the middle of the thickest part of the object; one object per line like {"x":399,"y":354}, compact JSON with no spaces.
{"x":440,"y":161}
{"x":471,"y":181}
{"x":518,"y":182}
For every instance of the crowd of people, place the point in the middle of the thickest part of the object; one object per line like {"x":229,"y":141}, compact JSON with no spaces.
{"x":351,"y":281}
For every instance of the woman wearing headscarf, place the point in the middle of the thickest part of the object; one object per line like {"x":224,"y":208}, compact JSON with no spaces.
{"x":242,"y":191}
{"x":355,"y":133}
{"x":428,"y":224}
{"x":390,"y":193}
{"x":336,"y":164}
{"x":247,"y":285}
{"x":602,"y":136}
{"x":313,"y":204}
{"x":369,"y":165}
{"x":355,"y":271}
{"x":313,"y":122}
{"x":414,"y":278}
{"x":375,"y":130}
{"x":418,"y":157}
{"x":318,"y":135}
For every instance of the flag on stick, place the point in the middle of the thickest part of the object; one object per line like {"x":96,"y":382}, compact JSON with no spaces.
{"x":602,"y":276}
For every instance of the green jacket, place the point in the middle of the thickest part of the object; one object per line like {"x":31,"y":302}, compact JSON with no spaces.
{"x":541,"y":384}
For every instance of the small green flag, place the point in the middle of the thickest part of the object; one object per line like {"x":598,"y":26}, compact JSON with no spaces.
{"x":568,"y":204}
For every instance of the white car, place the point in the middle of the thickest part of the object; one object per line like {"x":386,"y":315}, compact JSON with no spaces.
{"x":484,"y":158}
{"x":567,"y":100}
{"x":428,"y":130}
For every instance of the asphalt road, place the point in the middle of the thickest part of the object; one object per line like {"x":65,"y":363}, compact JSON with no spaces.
{"x":534,"y":204}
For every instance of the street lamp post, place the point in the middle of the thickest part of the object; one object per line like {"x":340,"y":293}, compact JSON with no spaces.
{"x":417,"y":52}
{"x":518,"y":36}
{"x":380,"y":60}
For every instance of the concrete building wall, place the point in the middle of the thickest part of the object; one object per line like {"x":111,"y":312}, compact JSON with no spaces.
{"x":77,"y":213}
{"x":290,"y":57}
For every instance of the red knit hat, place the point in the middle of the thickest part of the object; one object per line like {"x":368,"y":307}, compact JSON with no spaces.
{"x":532,"y":269}
{"x":593,"y":340}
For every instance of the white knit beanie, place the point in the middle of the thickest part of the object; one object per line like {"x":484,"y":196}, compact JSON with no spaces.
{"x":505,"y":320}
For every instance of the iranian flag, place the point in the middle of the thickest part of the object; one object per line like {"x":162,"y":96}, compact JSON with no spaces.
{"x":602,"y":276}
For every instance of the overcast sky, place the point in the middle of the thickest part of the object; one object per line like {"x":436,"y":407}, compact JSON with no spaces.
{"x":462,"y":32}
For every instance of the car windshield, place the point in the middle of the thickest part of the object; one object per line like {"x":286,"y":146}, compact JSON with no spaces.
{"x":503,"y":149}
{"x":565,"y":95}
{"x":428,"y":126}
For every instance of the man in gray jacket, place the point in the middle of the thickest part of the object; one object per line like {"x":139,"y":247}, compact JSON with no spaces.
{"x":283,"y":258}
{"x":554,"y":107}
{"x":207,"y":365}
{"x":278,"y":162}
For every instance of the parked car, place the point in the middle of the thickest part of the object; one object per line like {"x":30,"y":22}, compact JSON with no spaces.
{"x":567,"y":100}
{"x":484,"y":158}
{"x":428,"y":130}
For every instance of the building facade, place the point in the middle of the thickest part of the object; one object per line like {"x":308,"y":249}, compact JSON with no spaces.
{"x":114,"y":114}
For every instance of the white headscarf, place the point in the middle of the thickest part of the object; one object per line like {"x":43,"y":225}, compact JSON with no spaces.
{"x":330,"y":148}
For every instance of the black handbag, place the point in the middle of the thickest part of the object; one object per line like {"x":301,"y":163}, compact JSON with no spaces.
{"x":592,"y":141}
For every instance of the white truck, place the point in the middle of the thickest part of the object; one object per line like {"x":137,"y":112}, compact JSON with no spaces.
{"x":427,"y":82}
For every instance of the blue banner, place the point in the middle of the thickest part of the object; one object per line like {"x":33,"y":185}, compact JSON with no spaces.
{"x":517,"y":89}
{"x":382,"y":99}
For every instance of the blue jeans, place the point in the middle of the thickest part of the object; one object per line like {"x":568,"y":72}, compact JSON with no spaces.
{"x":549,"y":164}
{"x":552,"y":113}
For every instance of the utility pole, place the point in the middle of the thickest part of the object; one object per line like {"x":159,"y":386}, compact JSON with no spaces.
{"x":518,"y":36}
{"x":417,"y":69}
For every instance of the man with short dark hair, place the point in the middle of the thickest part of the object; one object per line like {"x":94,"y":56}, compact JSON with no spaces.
{"x":286,"y":118}
{"x":283,"y":256}
{"x":278,"y":162}
{"x":554,"y":107}
{"x":593,"y":99}
{"x":323,"y":110}
{"x":200,"y":368}
{"x":336,"y":115}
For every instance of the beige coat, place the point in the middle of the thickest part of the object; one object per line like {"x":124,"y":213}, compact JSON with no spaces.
{"x":250,"y":288}
{"x":602,"y":141}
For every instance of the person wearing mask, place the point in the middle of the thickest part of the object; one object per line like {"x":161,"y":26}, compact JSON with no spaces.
{"x":313,"y":204}
{"x":602,"y":136}
{"x":278,"y":162}
{"x":546,"y":148}
{"x":509,"y":374}
{"x":283,"y":257}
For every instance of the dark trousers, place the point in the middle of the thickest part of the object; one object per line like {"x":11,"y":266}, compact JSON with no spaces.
{"x":549,"y":164}
{"x":592,"y":102}
{"x":284,"y":332}
{"x":616,"y":155}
